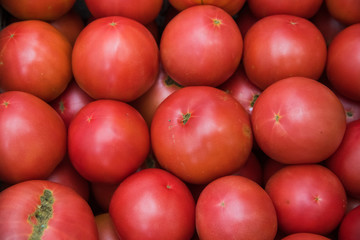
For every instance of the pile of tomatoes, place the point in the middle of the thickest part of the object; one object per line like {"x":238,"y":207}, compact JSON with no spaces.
{"x":156,"y":119}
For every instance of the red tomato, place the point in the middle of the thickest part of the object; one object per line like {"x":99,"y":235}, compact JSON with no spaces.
{"x":32,"y":137}
{"x":307,"y":198}
{"x":102,"y":194}
{"x":230,"y":6}
{"x":281,"y":46}
{"x":352,"y":108}
{"x":200,"y":133}
{"x":39,"y":9}
{"x":305,"y":236}
{"x":234,"y":207}
{"x":153,"y":204}
{"x":69,"y":103}
{"x":298,"y":120}
{"x":106,"y":227}
{"x":345,"y":162}
{"x":245,"y":19}
{"x":143,"y":11}
{"x":187,"y":54}
{"x":252,"y":169}
{"x":39,"y":209}
{"x":70,"y":25}
{"x":342,"y":62}
{"x":346,"y":11}
{"x":107,"y":141}
{"x":350,"y":226}
{"x":35,"y":58}
{"x":148,"y":102}
{"x":300,"y":8}
{"x":115,"y":57}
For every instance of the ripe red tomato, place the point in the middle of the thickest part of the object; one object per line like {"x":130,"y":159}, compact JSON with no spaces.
{"x":143,"y":11}
{"x":300,"y":8}
{"x":202,"y":45}
{"x":234,"y":207}
{"x":342,"y":62}
{"x":252,"y":169}
{"x":230,"y":6}
{"x":305,"y":236}
{"x":115,"y":57}
{"x":102,"y":194}
{"x":298,"y":120}
{"x":107,"y":141}
{"x":32,"y":137}
{"x":40,"y":9}
{"x":346,"y":11}
{"x":245,"y":19}
{"x":153,"y":204}
{"x":105,"y":226}
{"x":349,"y":228}
{"x":307,"y":198}
{"x":35,"y":58}
{"x":200,"y":133}
{"x":40,"y":209}
{"x":345,"y":162}
{"x":281,"y":46}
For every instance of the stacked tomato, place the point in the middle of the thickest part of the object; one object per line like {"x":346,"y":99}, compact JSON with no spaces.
{"x":180,"y":119}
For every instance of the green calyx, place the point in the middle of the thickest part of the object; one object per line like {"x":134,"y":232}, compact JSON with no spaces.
{"x":185,"y":118}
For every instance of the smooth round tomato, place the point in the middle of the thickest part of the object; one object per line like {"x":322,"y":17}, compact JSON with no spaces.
{"x":230,"y":6}
{"x":343,"y":59}
{"x":200,"y":133}
{"x":300,"y":8}
{"x":305,"y":236}
{"x":107,"y":141}
{"x":281,"y":46}
{"x":143,"y":11}
{"x":105,"y":226}
{"x":202,"y":45}
{"x":307,"y":198}
{"x":234,"y":207}
{"x":32,"y":137}
{"x":35,"y":58}
{"x":40,"y":9}
{"x":40,"y":209}
{"x":298,"y":120}
{"x":115,"y":57}
{"x":349,"y":228}
{"x":153,"y":204}
{"x":346,"y":11}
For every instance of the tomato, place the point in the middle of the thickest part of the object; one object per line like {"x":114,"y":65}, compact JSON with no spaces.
{"x":187,"y":54}
{"x":307,"y":198}
{"x":234,"y":207}
{"x":35,"y":58}
{"x":298,"y":120}
{"x":300,"y":8}
{"x":345,"y":162}
{"x":230,"y":6}
{"x":252,"y":169}
{"x":305,"y":236}
{"x":69,"y":103}
{"x":32,"y":137}
{"x":200,"y":133}
{"x":107,"y":141}
{"x":350,"y":226}
{"x":102,"y":194}
{"x":106,"y":227}
{"x":153,"y":204}
{"x":245,"y":19}
{"x":40,"y":9}
{"x":281,"y":46}
{"x":346,"y":11}
{"x":352,"y":108}
{"x":341,"y":69}
{"x":115,"y":57}
{"x":40,"y":209}
{"x":143,"y":11}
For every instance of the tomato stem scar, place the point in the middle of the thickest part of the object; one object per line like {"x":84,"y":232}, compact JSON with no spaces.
{"x":186,"y":118}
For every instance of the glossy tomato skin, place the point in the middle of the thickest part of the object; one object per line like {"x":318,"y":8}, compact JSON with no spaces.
{"x":143,"y":11}
{"x":281,"y":46}
{"x":187,"y":54}
{"x":115,"y":57}
{"x":107,"y":141}
{"x":307,"y":198}
{"x":300,"y":8}
{"x":298,"y":120}
{"x":106,"y":227}
{"x":346,"y":11}
{"x":234,"y":207}
{"x":230,"y":6}
{"x":305,"y":236}
{"x":345,"y":162}
{"x":41,"y":9}
{"x":20,"y":209}
{"x":35,"y":58}
{"x":350,"y":226}
{"x":153,"y":204}
{"x":33,"y":137}
{"x":200,"y":133}
{"x":342,"y":59}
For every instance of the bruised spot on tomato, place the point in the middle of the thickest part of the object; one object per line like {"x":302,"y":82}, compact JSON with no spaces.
{"x":43,"y":213}
{"x":5,"y":103}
